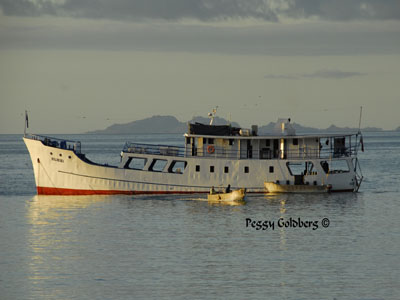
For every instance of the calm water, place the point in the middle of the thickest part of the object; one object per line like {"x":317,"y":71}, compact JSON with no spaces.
{"x":182,"y":247}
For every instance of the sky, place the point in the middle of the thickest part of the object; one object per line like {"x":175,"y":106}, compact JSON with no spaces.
{"x":81,"y":65}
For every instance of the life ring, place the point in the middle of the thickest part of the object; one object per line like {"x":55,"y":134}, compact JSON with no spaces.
{"x":210,"y":149}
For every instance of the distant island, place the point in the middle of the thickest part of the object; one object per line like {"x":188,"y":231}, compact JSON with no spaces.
{"x":170,"y":124}
{"x":157,"y":124}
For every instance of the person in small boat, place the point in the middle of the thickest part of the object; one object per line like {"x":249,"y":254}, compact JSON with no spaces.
{"x":228,"y":189}
{"x":212,"y":191}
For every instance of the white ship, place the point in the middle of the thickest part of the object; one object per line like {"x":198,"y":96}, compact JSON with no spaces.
{"x":212,"y":156}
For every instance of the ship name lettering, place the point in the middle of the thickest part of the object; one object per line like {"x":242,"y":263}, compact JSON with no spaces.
{"x":57,"y":159}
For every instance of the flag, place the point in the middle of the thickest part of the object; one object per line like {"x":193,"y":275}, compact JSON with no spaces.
{"x":26,"y":119}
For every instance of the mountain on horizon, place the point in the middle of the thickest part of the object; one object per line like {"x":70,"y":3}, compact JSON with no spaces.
{"x":170,"y":124}
{"x":154,"y":124}
{"x":158,"y":124}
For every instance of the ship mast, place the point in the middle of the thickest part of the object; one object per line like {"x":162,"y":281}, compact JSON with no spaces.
{"x":212,"y":114}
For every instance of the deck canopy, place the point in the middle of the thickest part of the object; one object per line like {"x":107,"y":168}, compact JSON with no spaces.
{"x":214,"y":130}
{"x":272,"y":137}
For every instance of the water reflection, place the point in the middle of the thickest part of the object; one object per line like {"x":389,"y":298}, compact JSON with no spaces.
{"x":295,"y":245}
{"x":226,"y":203}
{"x":47,"y":209}
{"x":282,"y":243}
{"x":147,"y":239}
{"x":197,"y":198}
{"x":54,"y":238}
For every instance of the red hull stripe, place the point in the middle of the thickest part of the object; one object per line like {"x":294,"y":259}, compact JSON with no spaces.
{"x":60,"y":191}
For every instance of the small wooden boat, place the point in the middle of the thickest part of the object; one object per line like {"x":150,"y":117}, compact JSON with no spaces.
{"x":235,"y":195}
{"x":273,"y":187}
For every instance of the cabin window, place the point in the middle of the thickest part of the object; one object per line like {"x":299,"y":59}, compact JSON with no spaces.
{"x":226,"y":170}
{"x":246,"y":169}
{"x":136,"y":163}
{"x":335,"y":166}
{"x":211,"y":169}
{"x":211,"y":141}
{"x":157,"y":165}
{"x":276,"y":148}
{"x":271,"y":169}
{"x":230,"y":142}
{"x":197,"y":168}
{"x":177,"y":166}
{"x":295,"y":142}
{"x":339,"y":145}
{"x":267,"y":143}
{"x":301,"y":168}
{"x":204,"y":141}
{"x":188,"y":140}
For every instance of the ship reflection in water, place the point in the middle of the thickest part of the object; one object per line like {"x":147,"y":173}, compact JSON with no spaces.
{"x":56,"y":240}
{"x":106,"y":247}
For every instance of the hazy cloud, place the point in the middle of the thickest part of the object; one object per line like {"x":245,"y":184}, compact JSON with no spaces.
{"x":327,"y":74}
{"x":144,"y":9}
{"x":332,"y":74}
{"x":270,"y":10}
{"x":271,"y":76}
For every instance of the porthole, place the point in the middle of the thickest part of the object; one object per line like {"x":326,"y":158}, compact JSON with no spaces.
{"x":69,"y":156}
{"x":51,"y":153}
{"x":60,"y":154}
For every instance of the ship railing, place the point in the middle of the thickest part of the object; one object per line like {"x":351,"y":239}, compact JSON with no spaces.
{"x":307,"y":153}
{"x":222,"y":152}
{"x":300,"y":153}
{"x":166,"y":150}
{"x":56,"y":142}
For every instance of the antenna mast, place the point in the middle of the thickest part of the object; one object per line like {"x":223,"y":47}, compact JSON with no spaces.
{"x":359,"y":122}
{"x":212,"y":114}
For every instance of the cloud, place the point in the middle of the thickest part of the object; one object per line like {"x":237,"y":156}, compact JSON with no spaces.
{"x":271,"y":76}
{"x":144,"y":9}
{"x":332,"y":74}
{"x":343,"y":10}
{"x":325,"y":74}
{"x":206,"y":10}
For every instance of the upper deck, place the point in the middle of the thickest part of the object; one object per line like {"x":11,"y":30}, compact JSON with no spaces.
{"x":256,"y":147}
{"x":323,"y":146}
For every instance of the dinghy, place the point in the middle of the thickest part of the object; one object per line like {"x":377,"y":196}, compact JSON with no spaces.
{"x":272,"y":187}
{"x":235,"y":195}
